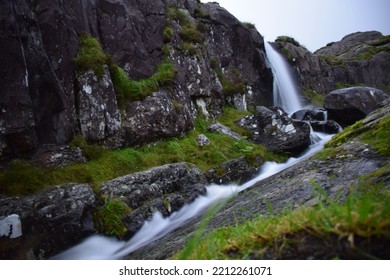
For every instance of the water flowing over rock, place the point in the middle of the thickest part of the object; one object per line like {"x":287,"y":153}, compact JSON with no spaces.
{"x":50,"y":221}
{"x":166,"y":189}
{"x":348,"y":105}
{"x":318,"y":120}
{"x":274,"y":129}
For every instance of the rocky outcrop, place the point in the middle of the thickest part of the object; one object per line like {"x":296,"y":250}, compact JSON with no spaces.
{"x":349,"y":105}
{"x":165,"y":189}
{"x":44,"y":100}
{"x":42,"y":225}
{"x":359,"y":58}
{"x":274,"y":129}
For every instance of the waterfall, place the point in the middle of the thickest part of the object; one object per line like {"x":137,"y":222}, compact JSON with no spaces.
{"x":101,"y":247}
{"x":285,"y":92}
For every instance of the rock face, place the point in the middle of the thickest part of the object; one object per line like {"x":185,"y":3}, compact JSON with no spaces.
{"x":165,"y":189}
{"x":349,"y":105}
{"x":276,"y":131}
{"x":42,"y":225}
{"x":44,"y":100}
{"x":359,"y":58}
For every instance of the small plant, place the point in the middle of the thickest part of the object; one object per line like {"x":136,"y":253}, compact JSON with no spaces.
{"x":167,"y":34}
{"x":90,"y":55}
{"x":249,"y":25}
{"x":287,"y":39}
{"x":109,"y":218}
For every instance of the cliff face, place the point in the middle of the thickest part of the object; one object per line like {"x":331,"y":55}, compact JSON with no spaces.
{"x":45,"y":100}
{"x":359,"y":58}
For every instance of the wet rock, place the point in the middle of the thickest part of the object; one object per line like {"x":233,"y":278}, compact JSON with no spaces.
{"x":348,"y":105}
{"x":274,"y":129}
{"x":221,"y":129}
{"x":45,"y":224}
{"x":318,"y":120}
{"x":234,"y":171}
{"x":165,"y":188}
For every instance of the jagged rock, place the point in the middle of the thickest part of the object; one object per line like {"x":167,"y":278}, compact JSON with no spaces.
{"x":99,"y":116}
{"x":221,"y":129}
{"x":274,"y":129}
{"x":202,"y":140}
{"x":43,"y":102}
{"x":165,"y":188}
{"x":157,"y":117}
{"x":236,"y":170}
{"x":50,"y":221}
{"x":348,"y":105}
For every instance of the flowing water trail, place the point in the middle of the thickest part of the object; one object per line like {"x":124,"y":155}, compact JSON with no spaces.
{"x":285,"y":92}
{"x":101,"y":247}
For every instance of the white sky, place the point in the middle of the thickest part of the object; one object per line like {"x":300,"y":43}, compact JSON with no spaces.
{"x":313,"y":23}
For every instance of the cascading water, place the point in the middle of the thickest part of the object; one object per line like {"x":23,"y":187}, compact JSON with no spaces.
{"x":100,"y":247}
{"x":285,"y":91}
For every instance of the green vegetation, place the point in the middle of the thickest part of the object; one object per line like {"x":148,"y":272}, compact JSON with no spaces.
{"x":108,"y":218}
{"x":130,"y":90}
{"x":364,"y":215}
{"x":380,"y":42}
{"x":23,"y":178}
{"x":287,"y":39}
{"x":167,"y":34}
{"x":249,"y":25}
{"x":315,"y":97}
{"x":231,"y":84}
{"x":91,"y":56}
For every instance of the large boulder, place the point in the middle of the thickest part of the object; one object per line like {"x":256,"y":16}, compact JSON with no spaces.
{"x":42,"y":225}
{"x":165,"y":189}
{"x":274,"y":129}
{"x":348,"y":105}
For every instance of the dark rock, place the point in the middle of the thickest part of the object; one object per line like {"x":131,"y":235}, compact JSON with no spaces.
{"x":318,"y":120}
{"x":221,"y":129}
{"x":237,"y":170}
{"x":274,"y":129}
{"x":164,"y":188}
{"x":53,"y":156}
{"x":50,"y":221}
{"x":346,"y":106}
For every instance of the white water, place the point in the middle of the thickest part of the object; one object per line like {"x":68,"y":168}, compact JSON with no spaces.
{"x":100,"y":247}
{"x":285,"y":92}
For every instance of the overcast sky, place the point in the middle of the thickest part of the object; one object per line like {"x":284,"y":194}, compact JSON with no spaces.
{"x":313,"y":23}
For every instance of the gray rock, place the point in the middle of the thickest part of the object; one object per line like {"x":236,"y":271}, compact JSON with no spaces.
{"x":50,"y":221}
{"x":99,"y":116}
{"x":221,"y":129}
{"x":53,"y":156}
{"x":348,"y":105}
{"x":274,"y":129}
{"x":165,"y":188}
{"x":202,"y":140}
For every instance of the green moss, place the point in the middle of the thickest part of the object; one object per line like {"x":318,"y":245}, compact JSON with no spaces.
{"x":315,"y":97}
{"x":130,"y":90}
{"x":347,"y":134}
{"x":287,"y":39}
{"x":231,"y":84}
{"x":90,"y":55}
{"x":379,"y":137}
{"x":249,"y":25}
{"x":109,"y":218}
{"x":380,"y":42}
{"x":167,"y":34}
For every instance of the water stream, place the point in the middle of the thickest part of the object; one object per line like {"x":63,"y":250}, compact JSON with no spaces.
{"x":285,"y":92}
{"x":101,"y":247}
